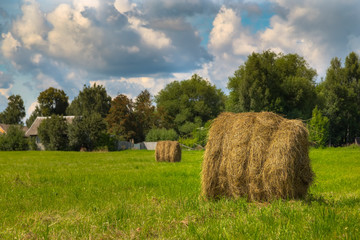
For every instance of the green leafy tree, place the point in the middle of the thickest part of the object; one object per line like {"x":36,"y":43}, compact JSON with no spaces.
{"x":341,"y":94}
{"x":13,"y":140}
{"x":14,"y":112}
{"x":121,"y":118}
{"x":273,"y":82}
{"x":162,"y":118}
{"x":318,"y":128}
{"x":53,"y":133}
{"x":144,"y":114}
{"x":161,"y":134}
{"x":188,"y":104}
{"x":87,"y":131}
{"x":53,"y":101}
{"x":201,"y":133}
{"x":92,"y":99}
{"x":36,"y":113}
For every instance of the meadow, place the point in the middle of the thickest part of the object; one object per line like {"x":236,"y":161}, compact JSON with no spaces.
{"x":128,"y":195}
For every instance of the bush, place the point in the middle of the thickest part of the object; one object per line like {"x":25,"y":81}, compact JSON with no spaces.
{"x":161,"y":134}
{"x":53,"y":133}
{"x":201,"y":134}
{"x":88,"y":132}
{"x":32,"y":143}
{"x":105,"y":143}
{"x":190,"y":142}
{"x":318,"y":129}
{"x":13,"y":140}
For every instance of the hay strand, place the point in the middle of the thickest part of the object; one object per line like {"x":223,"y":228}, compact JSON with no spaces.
{"x":261,"y":156}
{"x":168,"y":151}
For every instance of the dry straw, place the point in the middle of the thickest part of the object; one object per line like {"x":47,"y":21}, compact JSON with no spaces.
{"x":261,"y":156}
{"x":168,"y":151}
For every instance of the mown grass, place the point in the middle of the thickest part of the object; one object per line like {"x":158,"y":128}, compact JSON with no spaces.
{"x":127,"y":195}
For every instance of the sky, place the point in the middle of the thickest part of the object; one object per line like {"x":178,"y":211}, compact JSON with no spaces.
{"x":132,"y":45}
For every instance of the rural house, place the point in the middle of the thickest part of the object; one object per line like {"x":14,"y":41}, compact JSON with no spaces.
{"x":33,"y":130}
{"x":4,"y":128}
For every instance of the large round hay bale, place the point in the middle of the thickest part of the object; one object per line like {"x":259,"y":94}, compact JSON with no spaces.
{"x":261,"y":156}
{"x":168,"y":151}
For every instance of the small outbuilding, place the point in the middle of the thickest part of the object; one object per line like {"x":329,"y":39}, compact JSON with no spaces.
{"x":32,"y":132}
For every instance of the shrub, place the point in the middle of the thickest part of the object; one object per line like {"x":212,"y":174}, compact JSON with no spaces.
{"x":53,"y":133}
{"x":318,"y":129}
{"x":190,"y":142}
{"x":161,"y":134}
{"x":13,"y":140}
{"x":88,"y":132}
{"x":201,"y":133}
{"x":32,"y":143}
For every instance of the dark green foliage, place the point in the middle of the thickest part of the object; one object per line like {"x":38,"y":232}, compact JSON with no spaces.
{"x":105,"y":142}
{"x":273,"y":82}
{"x":121,"y":118}
{"x":318,"y":129}
{"x":145,"y":117}
{"x":92,"y":99}
{"x":161,"y":134}
{"x":341,"y":95}
{"x":14,"y":139}
{"x":14,"y":112}
{"x":200,"y":134}
{"x":88,"y":131}
{"x":188,"y":104}
{"x":53,"y":133}
{"x":131,"y":120}
{"x":53,"y":101}
{"x":32,"y":143}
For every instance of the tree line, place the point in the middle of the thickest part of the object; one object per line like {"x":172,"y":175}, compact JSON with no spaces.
{"x":183,"y":110}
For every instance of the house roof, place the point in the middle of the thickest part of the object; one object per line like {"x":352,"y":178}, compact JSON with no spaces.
{"x":33,"y":130}
{"x":5,"y":127}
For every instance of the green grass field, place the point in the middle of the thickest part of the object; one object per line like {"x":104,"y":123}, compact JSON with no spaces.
{"x":127,"y":195}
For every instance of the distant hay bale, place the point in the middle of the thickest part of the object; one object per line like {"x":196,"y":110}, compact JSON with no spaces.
{"x":168,"y":151}
{"x":261,"y":156}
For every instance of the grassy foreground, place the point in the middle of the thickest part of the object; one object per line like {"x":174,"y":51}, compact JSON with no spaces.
{"x":127,"y":195}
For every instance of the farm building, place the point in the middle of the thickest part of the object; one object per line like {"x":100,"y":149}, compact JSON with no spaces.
{"x":32,"y":132}
{"x":4,"y":128}
{"x":123,"y":145}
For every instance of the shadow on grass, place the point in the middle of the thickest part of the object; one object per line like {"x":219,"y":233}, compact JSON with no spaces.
{"x":321,"y":200}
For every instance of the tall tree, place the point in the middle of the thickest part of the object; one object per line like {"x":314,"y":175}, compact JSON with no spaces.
{"x":352,"y":74}
{"x":341,"y":92}
{"x":121,"y":118}
{"x":92,"y":99}
{"x":144,"y":115}
{"x":318,"y":129}
{"x":14,"y":112}
{"x":53,"y":101}
{"x":273,"y":82}
{"x":190,"y":103}
{"x":86,"y":131}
